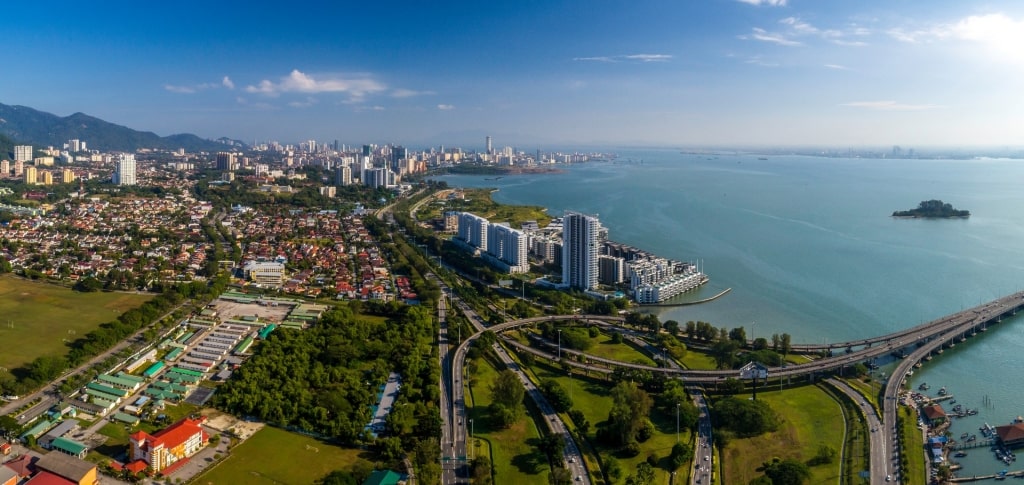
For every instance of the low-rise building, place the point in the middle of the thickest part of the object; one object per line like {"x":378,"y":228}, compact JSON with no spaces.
{"x":176,"y":442}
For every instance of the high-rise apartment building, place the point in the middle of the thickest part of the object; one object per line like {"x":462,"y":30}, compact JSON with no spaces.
{"x":23,"y":153}
{"x":490,"y":148}
{"x":67,"y":176}
{"x":473,"y":230}
{"x":227,"y":161}
{"x":31,"y":175}
{"x":343,"y":175}
{"x":508,"y":246}
{"x":5,"y":168}
{"x":125,"y":172}
{"x":580,"y":245}
{"x":19,"y":168}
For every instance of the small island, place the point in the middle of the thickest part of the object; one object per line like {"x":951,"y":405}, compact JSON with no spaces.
{"x":933,"y":209}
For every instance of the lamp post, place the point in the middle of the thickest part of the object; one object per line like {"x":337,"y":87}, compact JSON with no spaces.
{"x":753,"y":325}
{"x":559,"y":344}
{"x":471,"y":433}
{"x":677,"y":422}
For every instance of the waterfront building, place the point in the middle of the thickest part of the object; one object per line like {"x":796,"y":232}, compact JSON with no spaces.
{"x":580,"y":244}
{"x":473,"y":230}
{"x":23,"y":153}
{"x":508,"y":247}
{"x":125,"y":172}
{"x":611,"y":270}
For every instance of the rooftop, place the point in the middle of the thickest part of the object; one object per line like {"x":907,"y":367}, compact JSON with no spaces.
{"x":66,"y":466}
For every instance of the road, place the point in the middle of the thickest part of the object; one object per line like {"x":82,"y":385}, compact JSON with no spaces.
{"x":878,"y":465}
{"x":573,"y":458}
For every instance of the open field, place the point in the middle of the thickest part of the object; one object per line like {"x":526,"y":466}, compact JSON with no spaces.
{"x":271,"y":456}
{"x":809,"y":416}
{"x":912,"y":449}
{"x":698,"y":360}
{"x":478,"y":201}
{"x":36,"y":318}
{"x":515,"y":455}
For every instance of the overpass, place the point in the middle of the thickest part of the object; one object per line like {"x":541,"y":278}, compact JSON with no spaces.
{"x":932,"y":335}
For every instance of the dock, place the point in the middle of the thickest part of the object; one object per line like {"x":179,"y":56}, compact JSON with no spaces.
{"x":974,"y":478}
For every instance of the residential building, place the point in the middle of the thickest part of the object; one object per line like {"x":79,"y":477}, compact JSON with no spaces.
{"x":611,"y":270}
{"x":125,"y":172}
{"x":5,"y":168}
{"x":19,"y":168}
{"x":23,"y":153}
{"x":508,"y":247}
{"x":227,"y":161}
{"x":176,"y":442}
{"x":343,"y":175}
{"x":67,"y":176}
{"x":31,"y":175}
{"x":46,"y":177}
{"x":473,"y":230}
{"x":329,"y":191}
{"x":580,"y":244}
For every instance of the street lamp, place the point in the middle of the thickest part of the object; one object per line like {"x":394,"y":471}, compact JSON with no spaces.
{"x":753,"y":325}
{"x":559,"y":344}
{"x":677,"y":422}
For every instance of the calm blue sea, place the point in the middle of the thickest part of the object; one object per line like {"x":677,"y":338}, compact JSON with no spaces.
{"x":809,"y":248}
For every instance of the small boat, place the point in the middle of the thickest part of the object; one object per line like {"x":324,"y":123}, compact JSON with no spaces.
{"x":964,"y":436}
{"x":924,"y":386}
{"x":942,"y":391}
{"x":972,"y":438}
{"x":960,"y":454}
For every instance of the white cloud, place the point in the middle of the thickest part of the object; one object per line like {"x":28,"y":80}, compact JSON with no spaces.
{"x":628,"y":57}
{"x":445,"y":107}
{"x":838,"y":67}
{"x":179,"y":89}
{"x":300,"y":82}
{"x":771,"y":37}
{"x":228,"y":83}
{"x":889,"y":106}
{"x":997,"y":35}
{"x":408,"y":93}
{"x":309,"y":101}
{"x":759,"y":61}
{"x":195,"y":88}
{"x":770,"y":3}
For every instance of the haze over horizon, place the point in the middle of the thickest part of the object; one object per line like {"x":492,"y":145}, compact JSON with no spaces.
{"x":717,"y":72}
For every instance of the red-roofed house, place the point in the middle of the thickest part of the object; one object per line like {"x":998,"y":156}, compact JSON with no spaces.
{"x":23,"y":465}
{"x":934,"y":414}
{"x":176,"y":442}
{"x":47,"y":478}
{"x":1011,"y":435}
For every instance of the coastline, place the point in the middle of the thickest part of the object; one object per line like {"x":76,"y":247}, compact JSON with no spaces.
{"x":686,"y":303}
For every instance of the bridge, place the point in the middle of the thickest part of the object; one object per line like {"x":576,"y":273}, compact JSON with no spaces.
{"x":944,"y":331}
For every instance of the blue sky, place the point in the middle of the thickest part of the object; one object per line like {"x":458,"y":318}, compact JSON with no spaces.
{"x":691,"y":72}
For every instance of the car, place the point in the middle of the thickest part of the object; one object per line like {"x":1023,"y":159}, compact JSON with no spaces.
{"x":707,"y":458}
{"x":579,"y":478}
{"x":888,"y":478}
{"x":572,"y":459}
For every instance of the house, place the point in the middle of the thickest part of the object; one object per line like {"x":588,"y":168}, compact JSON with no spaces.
{"x":23,"y":465}
{"x":1011,"y":435}
{"x":176,"y":442}
{"x":934,"y":414}
{"x":69,"y":468}
{"x":8,"y":476}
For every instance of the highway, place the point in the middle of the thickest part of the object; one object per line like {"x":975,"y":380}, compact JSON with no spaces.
{"x":877,"y":456}
{"x":573,"y":458}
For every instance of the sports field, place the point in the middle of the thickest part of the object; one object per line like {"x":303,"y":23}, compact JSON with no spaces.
{"x":37,"y":318}
{"x":275,"y":456}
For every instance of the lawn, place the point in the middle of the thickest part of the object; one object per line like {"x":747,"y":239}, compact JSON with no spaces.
{"x":602,"y":346}
{"x":515,"y":456}
{"x":810,"y":418}
{"x":37,"y":318}
{"x":275,"y":456}
{"x":593,"y":398}
{"x":698,"y":360}
{"x":478,"y":201}
{"x":913,"y":449}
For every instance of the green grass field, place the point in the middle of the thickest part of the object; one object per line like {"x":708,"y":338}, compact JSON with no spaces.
{"x":36,"y":318}
{"x":515,"y":456}
{"x":809,"y":420}
{"x":275,"y":456}
{"x":913,"y":447}
{"x":698,"y":360}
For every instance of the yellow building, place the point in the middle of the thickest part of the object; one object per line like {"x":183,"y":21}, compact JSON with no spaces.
{"x":46,"y":177}
{"x":67,"y":176}
{"x":31,"y":175}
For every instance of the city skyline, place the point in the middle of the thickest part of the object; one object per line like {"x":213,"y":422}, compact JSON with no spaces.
{"x":723,"y":72}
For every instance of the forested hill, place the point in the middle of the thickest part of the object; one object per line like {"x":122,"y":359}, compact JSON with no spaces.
{"x":6,"y":147}
{"x":43,"y":129}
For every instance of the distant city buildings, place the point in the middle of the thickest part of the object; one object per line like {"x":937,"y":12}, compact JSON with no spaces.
{"x":227,"y":161}
{"x":23,"y":153}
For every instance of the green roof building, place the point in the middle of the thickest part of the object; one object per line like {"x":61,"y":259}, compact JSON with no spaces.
{"x":69,"y":447}
{"x":383,"y":477}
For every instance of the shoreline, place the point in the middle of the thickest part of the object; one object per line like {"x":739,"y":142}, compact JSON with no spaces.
{"x":686,"y":303}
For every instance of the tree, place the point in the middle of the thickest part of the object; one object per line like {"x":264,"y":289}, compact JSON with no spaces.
{"x":556,"y":394}
{"x":672,"y":327}
{"x":559,"y":476}
{"x":613,"y":469}
{"x":786,"y":344}
{"x":482,"y":471}
{"x":787,"y":472}
{"x":644,"y":475}
{"x":681,"y":454}
{"x":826,"y":454}
{"x":724,"y":353}
{"x":738,"y":334}
{"x":507,"y":390}
{"x":630,"y":408}
{"x":745,"y":417}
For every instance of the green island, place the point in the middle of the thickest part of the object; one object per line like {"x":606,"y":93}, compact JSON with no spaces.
{"x":933,"y":209}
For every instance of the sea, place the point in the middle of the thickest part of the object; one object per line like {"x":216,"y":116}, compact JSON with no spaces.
{"x":808,"y":247}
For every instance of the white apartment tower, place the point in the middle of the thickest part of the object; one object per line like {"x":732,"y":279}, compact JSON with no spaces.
{"x":508,"y":246}
{"x":125,"y":173}
{"x":580,"y":245}
{"x":473,"y":230}
{"x":23,"y":153}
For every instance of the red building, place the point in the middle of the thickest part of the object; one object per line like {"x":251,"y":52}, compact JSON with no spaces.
{"x":176,"y":442}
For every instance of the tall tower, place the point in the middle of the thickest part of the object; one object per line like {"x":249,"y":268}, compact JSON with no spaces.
{"x":580,"y":244}
{"x":125,"y":173}
{"x":23,"y":153}
{"x":490,"y":148}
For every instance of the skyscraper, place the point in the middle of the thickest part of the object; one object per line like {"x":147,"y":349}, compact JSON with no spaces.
{"x":227,"y":161}
{"x":125,"y":172}
{"x":31,"y":175}
{"x":580,"y":244}
{"x":490,"y":149}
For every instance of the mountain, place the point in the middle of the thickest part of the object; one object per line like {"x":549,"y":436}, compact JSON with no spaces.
{"x":6,"y":147}
{"x":44,"y":129}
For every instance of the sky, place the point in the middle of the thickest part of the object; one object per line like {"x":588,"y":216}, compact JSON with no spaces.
{"x":531,"y":73}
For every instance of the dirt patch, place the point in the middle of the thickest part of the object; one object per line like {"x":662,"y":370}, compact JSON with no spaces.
{"x":226,"y":423}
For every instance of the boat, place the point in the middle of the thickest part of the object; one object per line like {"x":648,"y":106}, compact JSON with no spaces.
{"x":924,"y":386}
{"x":972,"y":438}
{"x":960,"y":454}
{"x":964,"y":436}
{"x":942,"y":391}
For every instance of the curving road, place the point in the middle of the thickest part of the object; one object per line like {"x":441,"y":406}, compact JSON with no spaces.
{"x":876,"y":453}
